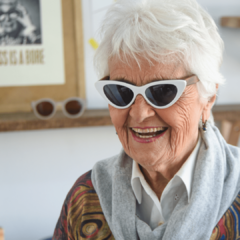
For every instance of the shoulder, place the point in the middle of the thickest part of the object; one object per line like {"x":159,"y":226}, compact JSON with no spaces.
{"x":80,"y":194}
{"x":105,"y":166}
{"x":72,"y":204}
{"x":82,"y":216}
{"x":228,"y":226}
{"x":82,"y":186}
{"x":108,"y":166}
{"x":108,"y":161}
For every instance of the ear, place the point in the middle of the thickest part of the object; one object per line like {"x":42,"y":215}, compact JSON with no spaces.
{"x":207,"y":108}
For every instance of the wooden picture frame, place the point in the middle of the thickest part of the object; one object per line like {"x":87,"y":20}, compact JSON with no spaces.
{"x":15,"y":102}
{"x":18,"y":99}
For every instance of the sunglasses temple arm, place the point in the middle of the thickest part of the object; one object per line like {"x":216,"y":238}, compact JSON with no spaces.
{"x":192,"y":80}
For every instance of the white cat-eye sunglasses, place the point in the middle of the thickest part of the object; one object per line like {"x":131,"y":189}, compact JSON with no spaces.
{"x":159,"y":94}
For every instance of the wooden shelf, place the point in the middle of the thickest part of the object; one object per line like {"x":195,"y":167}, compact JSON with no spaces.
{"x":28,"y":121}
{"x":231,"y":22}
{"x":226,"y":112}
{"x":227,"y":118}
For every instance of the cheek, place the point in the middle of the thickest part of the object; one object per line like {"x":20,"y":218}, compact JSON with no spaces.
{"x":119,"y":117}
{"x":188,"y":110}
{"x":119,"y":120}
{"x":183,"y":116}
{"x":177,"y":118}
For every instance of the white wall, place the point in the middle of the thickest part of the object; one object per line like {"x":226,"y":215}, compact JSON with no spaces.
{"x":38,"y":168}
{"x":229,"y":92}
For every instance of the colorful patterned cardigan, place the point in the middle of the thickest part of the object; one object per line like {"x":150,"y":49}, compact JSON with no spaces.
{"x":82,"y":217}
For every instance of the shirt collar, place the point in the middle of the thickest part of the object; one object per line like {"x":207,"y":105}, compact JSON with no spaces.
{"x":185,"y":173}
{"x":136,"y":181}
{"x":187,"y":169}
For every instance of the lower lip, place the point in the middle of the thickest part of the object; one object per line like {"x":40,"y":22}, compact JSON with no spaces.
{"x":147,"y":140}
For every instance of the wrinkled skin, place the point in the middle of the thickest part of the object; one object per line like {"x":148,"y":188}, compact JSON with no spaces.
{"x":161,"y":159}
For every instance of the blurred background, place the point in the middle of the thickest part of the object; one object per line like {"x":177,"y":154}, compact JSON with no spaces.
{"x":41,"y":159}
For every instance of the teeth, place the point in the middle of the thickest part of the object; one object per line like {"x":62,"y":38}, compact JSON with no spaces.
{"x":147,"y":130}
{"x":149,"y":136}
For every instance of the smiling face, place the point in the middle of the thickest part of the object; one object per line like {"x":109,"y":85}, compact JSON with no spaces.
{"x":180,"y":121}
{"x":8,"y":15}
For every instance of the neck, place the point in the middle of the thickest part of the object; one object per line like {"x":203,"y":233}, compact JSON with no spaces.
{"x":159,"y":177}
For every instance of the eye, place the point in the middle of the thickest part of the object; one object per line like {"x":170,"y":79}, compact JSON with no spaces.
{"x":13,"y":15}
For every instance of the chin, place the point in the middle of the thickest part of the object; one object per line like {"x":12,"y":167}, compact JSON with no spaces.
{"x":146,"y":158}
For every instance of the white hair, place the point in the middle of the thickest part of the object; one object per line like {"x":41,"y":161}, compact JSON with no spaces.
{"x":178,"y":31}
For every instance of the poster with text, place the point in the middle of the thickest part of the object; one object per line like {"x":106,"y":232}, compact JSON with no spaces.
{"x":31,"y":43}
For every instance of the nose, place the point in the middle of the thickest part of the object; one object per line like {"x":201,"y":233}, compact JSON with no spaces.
{"x":141,"y":110}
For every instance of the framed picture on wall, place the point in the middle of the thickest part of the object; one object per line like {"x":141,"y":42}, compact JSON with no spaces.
{"x":31,"y":43}
{"x":20,"y":22}
{"x":41,"y":52}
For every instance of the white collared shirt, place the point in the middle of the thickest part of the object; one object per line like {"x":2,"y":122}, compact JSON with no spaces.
{"x":149,"y":208}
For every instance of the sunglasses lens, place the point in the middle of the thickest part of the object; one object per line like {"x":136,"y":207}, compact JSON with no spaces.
{"x":162,"y":94}
{"x":73,"y":107}
{"x":45,"y":109}
{"x":118,"y":95}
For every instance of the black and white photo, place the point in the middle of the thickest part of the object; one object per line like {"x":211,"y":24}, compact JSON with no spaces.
{"x":31,"y":42}
{"x":20,"y":22}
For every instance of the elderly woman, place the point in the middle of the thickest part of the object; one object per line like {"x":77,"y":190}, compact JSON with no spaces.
{"x":176,"y":177}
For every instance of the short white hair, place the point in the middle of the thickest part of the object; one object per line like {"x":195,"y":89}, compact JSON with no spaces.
{"x":163,"y":30}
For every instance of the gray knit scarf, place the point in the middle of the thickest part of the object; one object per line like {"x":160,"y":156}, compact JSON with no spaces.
{"x":216,"y":183}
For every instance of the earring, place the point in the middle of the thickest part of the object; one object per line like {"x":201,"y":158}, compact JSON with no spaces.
{"x":116,"y":133}
{"x":204,"y":126}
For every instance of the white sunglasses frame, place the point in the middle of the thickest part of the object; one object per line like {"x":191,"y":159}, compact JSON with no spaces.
{"x":56,"y":104}
{"x":179,"y":83}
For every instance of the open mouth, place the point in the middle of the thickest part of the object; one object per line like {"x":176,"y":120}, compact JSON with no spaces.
{"x":148,"y":132}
